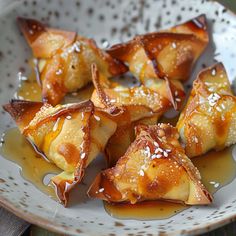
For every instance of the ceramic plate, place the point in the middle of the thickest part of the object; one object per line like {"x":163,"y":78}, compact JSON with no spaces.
{"x":113,"y":21}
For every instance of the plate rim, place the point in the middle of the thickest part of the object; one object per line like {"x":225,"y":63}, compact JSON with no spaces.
{"x":52,"y":226}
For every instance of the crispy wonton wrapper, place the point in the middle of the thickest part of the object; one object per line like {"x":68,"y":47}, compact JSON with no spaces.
{"x":209,"y":119}
{"x":131,"y":106}
{"x":64,"y":59}
{"x":70,"y":136}
{"x":154,"y":167}
{"x":167,"y":54}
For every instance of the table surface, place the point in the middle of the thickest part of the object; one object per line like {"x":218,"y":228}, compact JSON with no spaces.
{"x":10,"y":225}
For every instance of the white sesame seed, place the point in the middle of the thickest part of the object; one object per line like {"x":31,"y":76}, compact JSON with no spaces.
{"x":159,"y":150}
{"x":141,"y":172}
{"x":174,"y":45}
{"x":68,"y":117}
{"x":20,"y":77}
{"x":213,"y":98}
{"x":82,"y":155}
{"x":97,"y":118}
{"x":56,"y":125}
{"x":59,"y":72}
{"x":156,"y":144}
{"x":156,"y":156}
{"x":101,"y":190}
{"x":105,"y":44}
{"x":213,"y":72}
{"x":165,"y":154}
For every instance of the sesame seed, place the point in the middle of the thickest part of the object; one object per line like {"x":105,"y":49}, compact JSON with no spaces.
{"x":20,"y":77}
{"x":141,"y":172}
{"x":105,"y":44}
{"x":56,"y":125}
{"x":82,"y":155}
{"x":97,"y":118}
{"x":68,"y":117}
{"x":101,"y":190}
{"x":213,"y":98}
{"x":174,"y":45}
{"x":156,"y":156}
{"x":156,"y":144}
{"x":213,"y":72}
{"x":165,"y":154}
{"x":59,"y":72}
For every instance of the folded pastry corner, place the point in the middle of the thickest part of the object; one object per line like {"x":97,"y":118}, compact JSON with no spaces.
{"x":154,"y":167}
{"x":209,"y":119}
{"x":168,"y":54}
{"x":64,"y":59}
{"x":138,"y":101}
{"x":130,"y":106}
{"x":70,"y":136}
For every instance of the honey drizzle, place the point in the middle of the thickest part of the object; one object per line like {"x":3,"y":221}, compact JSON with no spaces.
{"x":217,"y":168}
{"x":30,"y":90}
{"x":33,"y":167}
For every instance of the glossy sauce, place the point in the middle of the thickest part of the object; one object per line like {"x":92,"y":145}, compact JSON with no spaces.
{"x":32,"y":166}
{"x":217,"y":170}
{"x":29,"y":89}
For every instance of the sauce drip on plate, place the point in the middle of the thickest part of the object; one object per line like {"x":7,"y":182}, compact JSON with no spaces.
{"x":29,"y":89}
{"x":217,"y":168}
{"x":33,"y":167}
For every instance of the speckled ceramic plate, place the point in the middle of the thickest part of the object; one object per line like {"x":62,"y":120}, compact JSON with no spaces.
{"x":115,"y":21}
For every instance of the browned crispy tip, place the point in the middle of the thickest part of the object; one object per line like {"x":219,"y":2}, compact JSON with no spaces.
{"x":122,"y":50}
{"x":115,"y":66}
{"x":103,"y":188}
{"x":22,"y":111}
{"x":31,"y":28}
{"x":218,"y":67}
{"x":63,"y":187}
{"x":199,"y":27}
{"x":93,"y":189}
{"x":44,"y":41}
{"x":104,"y":99}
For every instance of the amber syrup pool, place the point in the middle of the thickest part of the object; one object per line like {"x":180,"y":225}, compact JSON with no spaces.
{"x":217,"y":168}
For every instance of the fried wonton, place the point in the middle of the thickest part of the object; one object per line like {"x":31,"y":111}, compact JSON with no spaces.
{"x":123,"y":137}
{"x":154,"y":167}
{"x":64,"y":59}
{"x":167,"y":54}
{"x":136,"y":105}
{"x":69,"y":135}
{"x":138,"y":102}
{"x":209,"y":118}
